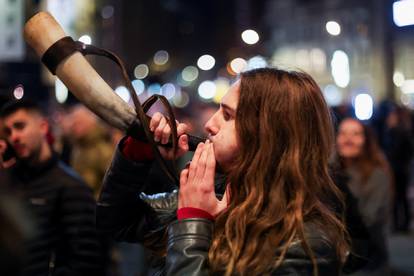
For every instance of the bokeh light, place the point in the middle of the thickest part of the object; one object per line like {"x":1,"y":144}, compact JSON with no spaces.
{"x":333,"y":28}
{"x":340,"y":68}
{"x":86,"y":39}
{"x":123,"y":92}
{"x":206,"y":62}
{"x":207,"y":90}
{"x":332,"y":95}
{"x":161,"y":57}
{"x":250,"y":37}
{"x":238,"y":65}
{"x":398,"y":79}
{"x":154,"y":88}
{"x":189,"y":73}
{"x":168,"y":90}
{"x":61,"y":91}
{"x":363,"y":104}
{"x":139,"y":86}
{"x":18,"y":92}
{"x":141,"y":71}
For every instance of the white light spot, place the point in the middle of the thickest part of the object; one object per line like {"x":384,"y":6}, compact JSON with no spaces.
{"x":86,"y":39}
{"x":139,"y":86}
{"x":256,"y":62}
{"x":408,"y":87}
{"x":398,"y":79}
{"x":189,"y":73}
{"x":333,"y":28}
{"x":18,"y":92}
{"x":61,"y":91}
{"x":407,"y":100}
{"x":207,"y":90}
{"x":340,"y":68}
{"x":332,"y":95}
{"x":250,"y":37}
{"x":123,"y":92}
{"x":161,"y":57}
{"x":238,"y":65}
{"x":363,"y":106}
{"x":206,"y":62}
{"x":141,"y":71}
{"x":168,"y":90}
{"x":403,"y":12}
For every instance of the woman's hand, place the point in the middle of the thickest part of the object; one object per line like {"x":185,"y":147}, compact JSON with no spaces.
{"x":162,"y":132}
{"x":197,"y":182}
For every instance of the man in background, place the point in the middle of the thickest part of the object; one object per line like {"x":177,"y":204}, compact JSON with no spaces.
{"x":58,"y":201}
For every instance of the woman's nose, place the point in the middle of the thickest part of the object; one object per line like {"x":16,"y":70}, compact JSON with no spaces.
{"x":211,"y":127}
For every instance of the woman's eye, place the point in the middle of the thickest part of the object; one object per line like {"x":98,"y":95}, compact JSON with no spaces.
{"x":226,"y":116}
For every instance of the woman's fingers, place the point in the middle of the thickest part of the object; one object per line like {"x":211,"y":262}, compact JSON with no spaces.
{"x":194,"y":162}
{"x":183,"y":177}
{"x":158,"y":132}
{"x":210,"y":167}
{"x":182,"y":145}
{"x":201,"y":167}
{"x":155,"y":120}
{"x":183,"y":183}
{"x":181,"y":129}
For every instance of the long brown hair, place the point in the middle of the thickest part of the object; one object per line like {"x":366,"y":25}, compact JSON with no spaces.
{"x":371,"y":156}
{"x":280,"y":177}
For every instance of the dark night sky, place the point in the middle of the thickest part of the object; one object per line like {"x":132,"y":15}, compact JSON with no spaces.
{"x":187,"y":29}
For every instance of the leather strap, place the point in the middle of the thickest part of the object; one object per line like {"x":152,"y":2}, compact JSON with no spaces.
{"x":66,"y":46}
{"x":59,"y":50}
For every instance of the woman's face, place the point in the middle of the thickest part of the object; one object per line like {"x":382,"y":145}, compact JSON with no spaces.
{"x":350,"y":139}
{"x":221,"y":128}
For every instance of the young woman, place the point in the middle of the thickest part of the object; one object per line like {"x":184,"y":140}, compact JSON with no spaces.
{"x":361,"y":160}
{"x":280,"y":213}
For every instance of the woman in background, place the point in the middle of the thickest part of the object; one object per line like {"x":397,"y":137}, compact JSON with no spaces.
{"x":360,"y":158}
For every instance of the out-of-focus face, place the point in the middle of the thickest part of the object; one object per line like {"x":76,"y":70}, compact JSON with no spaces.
{"x":81,"y":122}
{"x":26,"y":132}
{"x":221,"y":128}
{"x":350,"y":139}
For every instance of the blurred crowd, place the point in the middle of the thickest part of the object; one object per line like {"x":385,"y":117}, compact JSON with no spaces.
{"x":69,"y":149}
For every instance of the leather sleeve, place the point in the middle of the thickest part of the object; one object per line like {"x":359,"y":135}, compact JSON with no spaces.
{"x":123,"y":211}
{"x":188,"y":245}
{"x":189,"y":242}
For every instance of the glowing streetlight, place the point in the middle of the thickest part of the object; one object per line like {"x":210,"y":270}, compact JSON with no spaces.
{"x":333,"y":28}
{"x":250,"y":37}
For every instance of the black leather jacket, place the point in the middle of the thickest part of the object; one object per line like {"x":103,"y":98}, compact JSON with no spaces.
{"x":127,"y":213}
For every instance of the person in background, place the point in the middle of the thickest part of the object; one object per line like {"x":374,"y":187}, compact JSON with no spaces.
{"x":92,"y":146}
{"x":59,"y":203}
{"x":281,"y":213}
{"x":399,"y":148}
{"x":368,"y":178}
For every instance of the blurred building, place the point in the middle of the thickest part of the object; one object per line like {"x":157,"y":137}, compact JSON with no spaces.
{"x":350,"y":47}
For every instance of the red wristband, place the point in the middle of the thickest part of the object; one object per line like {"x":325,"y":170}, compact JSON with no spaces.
{"x":136,"y":150}
{"x":190,"y":212}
